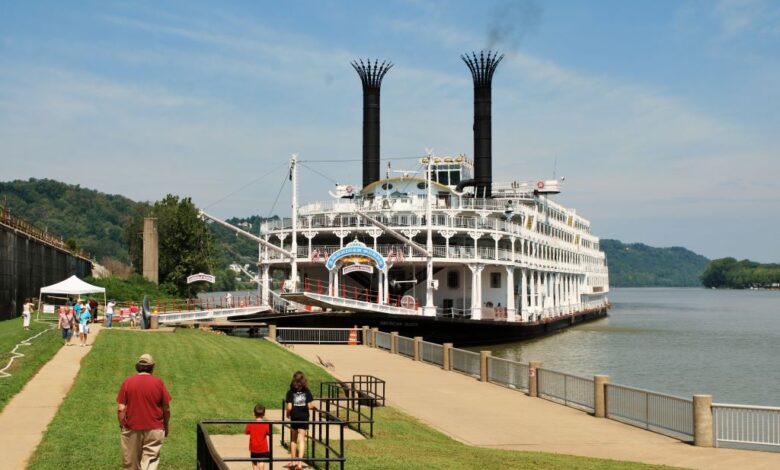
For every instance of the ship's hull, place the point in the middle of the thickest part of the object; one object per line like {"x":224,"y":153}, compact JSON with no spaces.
{"x":459,"y":331}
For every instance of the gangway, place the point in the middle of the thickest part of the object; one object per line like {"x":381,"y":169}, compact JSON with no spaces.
{"x":210,"y":314}
{"x":341,"y":303}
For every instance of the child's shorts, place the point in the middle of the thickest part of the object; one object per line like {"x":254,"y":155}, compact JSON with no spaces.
{"x":83,"y":329}
{"x":260,"y":455}
{"x":66,"y":333}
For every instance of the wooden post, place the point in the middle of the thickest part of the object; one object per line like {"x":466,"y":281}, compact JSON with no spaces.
{"x":393,"y":342}
{"x":272,"y":333}
{"x":373,"y":336}
{"x":366,"y":338}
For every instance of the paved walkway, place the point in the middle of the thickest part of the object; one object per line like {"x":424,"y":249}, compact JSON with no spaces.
{"x":489,"y":415}
{"x":28,"y":414}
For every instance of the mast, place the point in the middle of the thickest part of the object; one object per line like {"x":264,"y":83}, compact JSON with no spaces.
{"x":430,"y":309}
{"x":294,"y":203}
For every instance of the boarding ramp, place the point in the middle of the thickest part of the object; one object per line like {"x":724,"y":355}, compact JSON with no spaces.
{"x":210,"y":314}
{"x":345,"y":304}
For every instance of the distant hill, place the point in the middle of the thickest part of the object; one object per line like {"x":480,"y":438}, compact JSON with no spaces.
{"x":639,"y":265}
{"x":91,"y":220}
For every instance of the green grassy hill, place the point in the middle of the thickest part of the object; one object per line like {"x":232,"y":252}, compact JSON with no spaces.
{"x":639,"y":265}
{"x":94,"y":221}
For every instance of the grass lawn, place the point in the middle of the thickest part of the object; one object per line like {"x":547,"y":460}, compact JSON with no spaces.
{"x":208,"y":376}
{"x":213,"y":376}
{"x":41,"y":349}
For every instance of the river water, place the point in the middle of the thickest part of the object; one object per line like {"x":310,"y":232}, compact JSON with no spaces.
{"x":676,"y":341}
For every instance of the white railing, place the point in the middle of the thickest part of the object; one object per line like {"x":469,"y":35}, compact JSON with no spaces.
{"x":464,"y":361}
{"x":568,"y":389}
{"x":432,"y":353}
{"x":508,"y":373}
{"x":213,"y":314}
{"x":383,"y":340}
{"x":746,"y":427}
{"x":404,"y":346}
{"x":664,"y":414}
{"x":318,"y":335}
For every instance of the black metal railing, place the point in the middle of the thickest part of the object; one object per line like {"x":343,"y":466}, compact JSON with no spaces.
{"x":320,"y":440}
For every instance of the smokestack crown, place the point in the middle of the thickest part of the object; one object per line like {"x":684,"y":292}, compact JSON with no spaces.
{"x":482,"y":67}
{"x":371,"y":74}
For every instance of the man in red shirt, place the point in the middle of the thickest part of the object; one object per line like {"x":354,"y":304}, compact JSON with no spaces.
{"x":143,"y":412}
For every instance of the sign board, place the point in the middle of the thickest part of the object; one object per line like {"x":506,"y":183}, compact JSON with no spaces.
{"x":48,"y":308}
{"x":355,"y":250}
{"x":362,"y":268}
{"x":408,"y":302}
{"x":201,"y":277}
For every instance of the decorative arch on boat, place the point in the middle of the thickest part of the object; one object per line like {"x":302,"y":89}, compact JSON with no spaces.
{"x":356,"y":253}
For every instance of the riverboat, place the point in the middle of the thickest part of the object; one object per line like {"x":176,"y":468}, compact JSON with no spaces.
{"x":444,"y":252}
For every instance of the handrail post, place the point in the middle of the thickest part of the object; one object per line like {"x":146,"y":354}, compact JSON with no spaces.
{"x":533,"y":380}
{"x":483,"y":365}
{"x":446,"y":350}
{"x":599,"y":395}
{"x":366,"y":339}
{"x":272,"y":333}
{"x":702,"y":420}
{"x":417,"y":347}
{"x":393,"y":342}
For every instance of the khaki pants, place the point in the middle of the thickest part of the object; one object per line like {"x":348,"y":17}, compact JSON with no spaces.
{"x":141,"y":449}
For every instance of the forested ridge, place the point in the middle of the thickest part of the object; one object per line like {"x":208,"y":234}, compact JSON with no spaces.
{"x":639,"y":265}
{"x":108,"y":226}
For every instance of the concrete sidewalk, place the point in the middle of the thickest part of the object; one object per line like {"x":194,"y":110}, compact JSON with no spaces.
{"x":28,"y":414}
{"x":488,"y":415}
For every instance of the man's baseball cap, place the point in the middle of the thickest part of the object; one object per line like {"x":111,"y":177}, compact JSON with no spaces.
{"x":146,"y":359}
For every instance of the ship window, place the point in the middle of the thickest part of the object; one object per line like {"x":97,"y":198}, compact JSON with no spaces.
{"x":387,"y":186}
{"x":455,"y":177}
{"x":452,"y":279}
{"x":495,"y":280}
{"x":444,"y":177}
{"x":420,"y":185}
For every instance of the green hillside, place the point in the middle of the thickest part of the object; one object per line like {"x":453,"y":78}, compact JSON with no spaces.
{"x":639,"y":265}
{"x":91,"y":220}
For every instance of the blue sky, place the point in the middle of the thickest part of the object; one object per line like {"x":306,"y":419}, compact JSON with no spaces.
{"x":662,"y":115}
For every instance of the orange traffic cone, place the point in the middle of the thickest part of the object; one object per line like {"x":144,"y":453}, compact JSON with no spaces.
{"x":353,"y":336}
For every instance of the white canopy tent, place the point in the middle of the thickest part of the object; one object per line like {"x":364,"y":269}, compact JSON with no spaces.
{"x":72,"y":286}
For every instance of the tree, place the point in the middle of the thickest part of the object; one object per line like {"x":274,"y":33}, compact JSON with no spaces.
{"x":186,"y":245}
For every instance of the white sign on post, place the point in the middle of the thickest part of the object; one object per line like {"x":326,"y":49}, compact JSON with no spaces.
{"x":201,"y":277}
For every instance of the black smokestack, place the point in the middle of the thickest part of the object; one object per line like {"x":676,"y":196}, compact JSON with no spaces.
{"x":371,"y":75}
{"x":482,"y":68}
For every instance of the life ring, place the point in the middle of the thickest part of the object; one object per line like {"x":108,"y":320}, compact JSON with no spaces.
{"x":540,"y":184}
{"x":350,"y":189}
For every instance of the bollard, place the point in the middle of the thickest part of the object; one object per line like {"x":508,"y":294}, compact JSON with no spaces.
{"x":154,"y":322}
{"x":272,"y":333}
{"x":393,"y":342}
{"x":373,"y":336}
{"x":533,"y":389}
{"x":483,"y":365}
{"x":446,"y":352}
{"x":366,"y":339}
{"x":417,"y":348}
{"x":600,"y":396}
{"x":702,"y":420}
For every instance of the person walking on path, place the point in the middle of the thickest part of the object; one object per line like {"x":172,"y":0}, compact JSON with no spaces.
{"x":143,"y":411}
{"x":65,"y":323}
{"x":109,"y":313}
{"x":299,"y":401}
{"x":258,"y":438}
{"x":84,"y":325}
{"x":27,"y":309}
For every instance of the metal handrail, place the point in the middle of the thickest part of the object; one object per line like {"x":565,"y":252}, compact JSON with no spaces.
{"x":659,"y":412}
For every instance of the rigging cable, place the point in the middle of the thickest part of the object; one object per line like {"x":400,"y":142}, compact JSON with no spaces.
{"x":245,"y":186}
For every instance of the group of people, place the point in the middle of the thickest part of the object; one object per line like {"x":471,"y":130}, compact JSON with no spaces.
{"x":80,"y":316}
{"x":144,"y":413}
